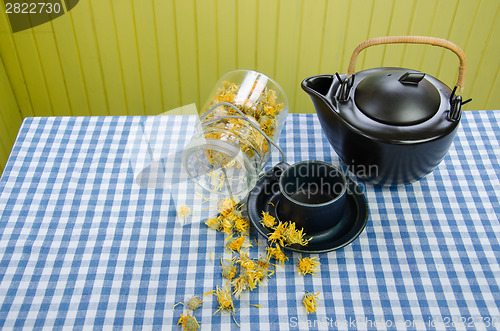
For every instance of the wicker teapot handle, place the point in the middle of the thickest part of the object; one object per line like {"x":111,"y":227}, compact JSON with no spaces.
{"x":412,"y":40}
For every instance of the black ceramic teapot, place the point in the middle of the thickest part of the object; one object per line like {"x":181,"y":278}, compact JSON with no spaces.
{"x":389,"y":125}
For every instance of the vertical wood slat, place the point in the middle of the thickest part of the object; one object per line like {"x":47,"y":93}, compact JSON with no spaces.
{"x":144,"y":19}
{"x":168,"y":53}
{"x":85,"y":35}
{"x":71,"y":66}
{"x":10,"y":117}
{"x":248,"y":28}
{"x":206,"y":13}
{"x":25,"y":47}
{"x":109,"y":63}
{"x":128,"y":50}
{"x":10,"y":57}
{"x":483,"y":32}
{"x":226,"y":35}
{"x":266,"y":37}
{"x":187,"y":50}
{"x":287,"y":48}
{"x":309,"y":52}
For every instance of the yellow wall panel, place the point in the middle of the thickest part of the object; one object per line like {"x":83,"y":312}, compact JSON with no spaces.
{"x":335,"y":25}
{"x":71,"y":67}
{"x":226,"y":35}
{"x":380,"y":23}
{"x":309,"y":57}
{"x":145,"y":25}
{"x":113,"y":57}
{"x":10,"y":117}
{"x":188,"y":50}
{"x":13,"y":70}
{"x":247,"y":29}
{"x":101,"y":15}
{"x":91,"y":62}
{"x":477,"y":84}
{"x":127,"y":47}
{"x":287,"y":48}
{"x":265,"y":48}
{"x":32,"y":69}
{"x":206,"y":28}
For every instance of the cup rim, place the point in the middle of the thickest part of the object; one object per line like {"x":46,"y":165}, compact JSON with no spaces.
{"x":310,"y":205}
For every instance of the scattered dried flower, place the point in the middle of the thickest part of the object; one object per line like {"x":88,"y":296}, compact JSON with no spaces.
{"x":267,"y":220}
{"x":184,"y":211}
{"x":235,"y":244}
{"x":194,"y":303}
{"x":277,"y":254}
{"x":309,"y":301}
{"x":286,"y":234}
{"x":188,"y":322}
{"x":228,"y":270}
{"x":308,"y":265}
{"x":214,"y":223}
{"x":240,"y":284}
{"x":225,"y":301}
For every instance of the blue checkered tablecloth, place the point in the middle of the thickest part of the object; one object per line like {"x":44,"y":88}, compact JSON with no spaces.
{"x":84,"y":245}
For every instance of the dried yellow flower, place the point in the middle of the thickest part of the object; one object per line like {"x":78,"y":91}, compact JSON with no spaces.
{"x":194,"y":303}
{"x":225,"y":206}
{"x":263,"y":262}
{"x":286,"y":234}
{"x":241,"y":225}
{"x":214,"y":223}
{"x":267,"y":220}
{"x":184,"y":211}
{"x":188,"y":322}
{"x":235,"y":244}
{"x":224,"y":299}
{"x":245,"y":261}
{"x":227,"y":226}
{"x":308,"y":265}
{"x":240,"y":284}
{"x":277,"y":254}
{"x":309,"y":301}
{"x":279,"y":234}
{"x":228,"y":270}
{"x":293,"y":236}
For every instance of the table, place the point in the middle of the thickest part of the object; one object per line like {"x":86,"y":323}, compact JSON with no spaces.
{"x":84,"y":245}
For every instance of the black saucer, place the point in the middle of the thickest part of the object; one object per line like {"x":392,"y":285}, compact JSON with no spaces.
{"x":265,"y":197}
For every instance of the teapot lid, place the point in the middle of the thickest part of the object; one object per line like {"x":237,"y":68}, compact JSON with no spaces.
{"x":397,"y":97}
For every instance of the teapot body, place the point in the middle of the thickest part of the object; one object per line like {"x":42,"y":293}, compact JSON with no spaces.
{"x":380,"y":153}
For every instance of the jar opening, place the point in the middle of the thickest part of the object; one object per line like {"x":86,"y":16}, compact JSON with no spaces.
{"x":219,"y":167}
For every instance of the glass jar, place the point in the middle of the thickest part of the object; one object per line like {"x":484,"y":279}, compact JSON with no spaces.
{"x":237,"y":128}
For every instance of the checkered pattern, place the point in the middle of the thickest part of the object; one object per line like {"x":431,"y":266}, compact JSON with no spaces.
{"x":87,"y":240}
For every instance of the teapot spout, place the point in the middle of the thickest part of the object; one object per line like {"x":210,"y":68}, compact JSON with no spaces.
{"x":322,"y":90}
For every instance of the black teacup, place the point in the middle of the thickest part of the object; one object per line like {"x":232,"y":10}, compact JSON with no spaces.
{"x":313,"y":196}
